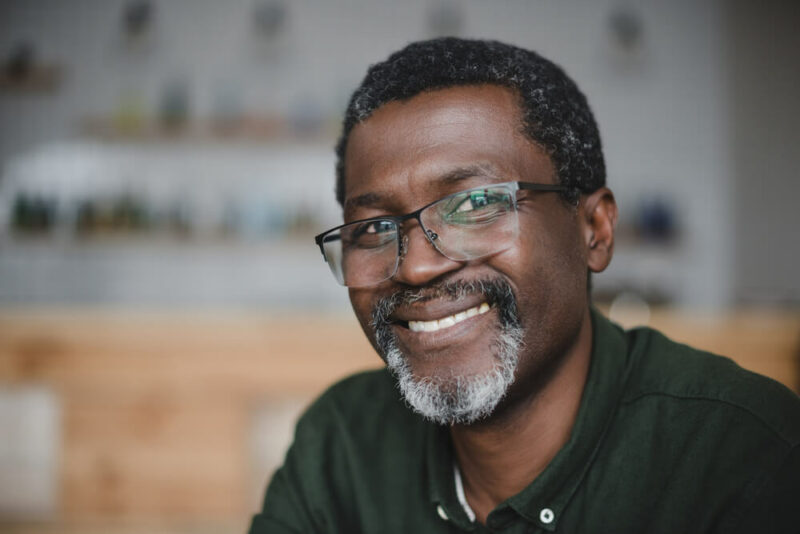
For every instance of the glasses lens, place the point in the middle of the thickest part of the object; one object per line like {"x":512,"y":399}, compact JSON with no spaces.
{"x":363,"y":253}
{"x":473,"y":223}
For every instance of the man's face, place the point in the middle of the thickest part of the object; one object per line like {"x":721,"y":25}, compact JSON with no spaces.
{"x":408,"y":154}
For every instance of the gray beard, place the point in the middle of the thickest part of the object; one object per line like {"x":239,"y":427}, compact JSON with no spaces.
{"x":455,"y":399}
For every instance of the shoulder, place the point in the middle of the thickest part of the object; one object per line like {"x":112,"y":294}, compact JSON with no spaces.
{"x":673,"y":372}
{"x":358,"y":407}
{"x":339,"y":444}
{"x":715,"y":443}
{"x":361,"y":392}
{"x":377,"y":382}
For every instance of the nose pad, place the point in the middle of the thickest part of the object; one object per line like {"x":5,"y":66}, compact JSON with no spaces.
{"x":403,"y":246}
{"x":430,"y":234}
{"x":424,"y":263}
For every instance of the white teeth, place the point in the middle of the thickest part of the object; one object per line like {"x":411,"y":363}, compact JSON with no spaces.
{"x":446,"y":322}
{"x":416,"y":326}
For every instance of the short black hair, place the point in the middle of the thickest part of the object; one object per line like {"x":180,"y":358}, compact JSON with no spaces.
{"x":555,"y":114}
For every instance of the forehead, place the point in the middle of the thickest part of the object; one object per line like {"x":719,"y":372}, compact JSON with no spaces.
{"x":407,"y":152}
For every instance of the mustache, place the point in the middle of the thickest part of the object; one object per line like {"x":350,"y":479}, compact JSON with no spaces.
{"x":497,"y":292}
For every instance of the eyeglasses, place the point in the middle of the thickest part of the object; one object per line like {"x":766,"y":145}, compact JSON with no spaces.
{"x":463,"y":226}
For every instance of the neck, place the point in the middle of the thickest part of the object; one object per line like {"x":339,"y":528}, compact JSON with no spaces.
{"x":499,"y":457}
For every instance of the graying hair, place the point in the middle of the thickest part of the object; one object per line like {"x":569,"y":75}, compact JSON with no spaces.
{"x":554,"y":112}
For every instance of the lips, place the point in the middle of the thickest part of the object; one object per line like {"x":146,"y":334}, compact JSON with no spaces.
{"x":424,"y":321}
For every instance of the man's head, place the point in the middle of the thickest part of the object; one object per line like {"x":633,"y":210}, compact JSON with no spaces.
{"x":471,"y":318}
{"x":554,"y":112}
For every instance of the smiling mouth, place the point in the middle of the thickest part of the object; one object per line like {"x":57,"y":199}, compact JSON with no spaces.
{"x":450,"y":320}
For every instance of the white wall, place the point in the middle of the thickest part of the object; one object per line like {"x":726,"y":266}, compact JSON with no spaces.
{"x":765,"y":85}
{"x":662,"y":111}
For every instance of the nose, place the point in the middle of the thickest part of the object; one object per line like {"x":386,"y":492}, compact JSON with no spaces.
{"x":421,"y":262}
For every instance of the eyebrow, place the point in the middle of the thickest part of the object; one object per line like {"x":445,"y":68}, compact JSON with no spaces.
{"x":449,"y":178}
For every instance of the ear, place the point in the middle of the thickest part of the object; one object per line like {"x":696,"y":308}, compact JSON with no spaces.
{"x":599,"y":220}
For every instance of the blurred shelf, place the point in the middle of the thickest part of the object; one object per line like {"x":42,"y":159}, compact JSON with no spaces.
{"x":171,"y":273}
{"x":268,"y":129}
{"x":39,"y":79}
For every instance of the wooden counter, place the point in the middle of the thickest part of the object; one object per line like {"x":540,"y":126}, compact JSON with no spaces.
{"x":159,"y":410}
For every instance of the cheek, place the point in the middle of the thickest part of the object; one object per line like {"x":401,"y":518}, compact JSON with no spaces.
{"x":362,"y":303}
{"x":547,"y":270}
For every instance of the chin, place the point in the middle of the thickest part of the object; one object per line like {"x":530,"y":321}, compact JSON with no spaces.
{"x":459,"y":397}
{"x":460,"y":371}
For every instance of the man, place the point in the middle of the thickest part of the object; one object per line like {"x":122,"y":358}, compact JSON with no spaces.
{"x":472,"y":182}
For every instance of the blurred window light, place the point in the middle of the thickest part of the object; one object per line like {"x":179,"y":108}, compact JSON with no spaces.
{"x":29,"y":424}
{"x":629,"y":310}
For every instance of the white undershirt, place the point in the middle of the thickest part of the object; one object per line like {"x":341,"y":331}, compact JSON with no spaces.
{"x":460,"y":493}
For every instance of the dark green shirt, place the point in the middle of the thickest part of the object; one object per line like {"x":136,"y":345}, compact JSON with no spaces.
{"x":667,"y":439}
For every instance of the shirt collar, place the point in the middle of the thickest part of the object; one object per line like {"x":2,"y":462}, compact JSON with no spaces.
{"x":555,"y":486}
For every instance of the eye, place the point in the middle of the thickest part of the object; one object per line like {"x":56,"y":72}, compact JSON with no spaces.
{"x":370,"y":234}
{"x":481,"y":206}
{"x":477,"y":200}
{"x":377,"y":227}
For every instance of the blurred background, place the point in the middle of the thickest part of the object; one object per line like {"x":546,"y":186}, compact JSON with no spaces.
{"x":164,"y":165}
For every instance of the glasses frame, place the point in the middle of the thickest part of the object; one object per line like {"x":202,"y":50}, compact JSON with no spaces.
{"x":430,"y":234}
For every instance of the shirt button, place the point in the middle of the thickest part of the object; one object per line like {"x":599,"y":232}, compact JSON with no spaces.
{"x":441,"y":512}
{"x":546,"y":516}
